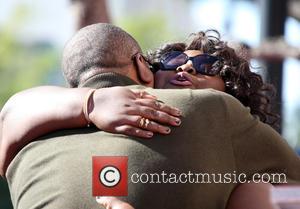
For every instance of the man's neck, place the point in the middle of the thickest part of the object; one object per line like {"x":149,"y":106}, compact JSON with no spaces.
{"x":104,"y":80}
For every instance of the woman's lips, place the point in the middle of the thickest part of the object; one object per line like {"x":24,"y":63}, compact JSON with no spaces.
{"x":181,"y":80}
{"x":180,"y":83}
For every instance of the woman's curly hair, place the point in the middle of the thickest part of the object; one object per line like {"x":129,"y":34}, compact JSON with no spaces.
{"x":248,"y":87}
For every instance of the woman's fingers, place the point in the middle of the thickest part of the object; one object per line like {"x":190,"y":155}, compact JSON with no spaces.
{"x":158,"y":105}
{"x":133,"y":131}
{"x":147,"y":106}
{"x":158,"y":116}
{"x":146,"y":99}
{"x":138,"y":113}
{"x":143,"y":94}
{"x":146,"y":124}
{"x":153,"y":114}
{"x":113,"y":203}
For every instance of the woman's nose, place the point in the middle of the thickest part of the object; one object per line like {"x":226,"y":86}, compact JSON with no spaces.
{"x":187,"y":67}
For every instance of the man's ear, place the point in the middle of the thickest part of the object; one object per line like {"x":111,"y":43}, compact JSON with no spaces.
{"x":143,"y":71}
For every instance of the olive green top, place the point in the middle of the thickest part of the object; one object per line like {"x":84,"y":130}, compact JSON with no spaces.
{"x":217,"y":135}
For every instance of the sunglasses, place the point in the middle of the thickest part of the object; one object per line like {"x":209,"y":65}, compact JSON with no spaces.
{"x":202,"y":63}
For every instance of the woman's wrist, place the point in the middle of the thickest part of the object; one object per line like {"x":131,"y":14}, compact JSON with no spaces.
{"x":88,"y":105}
{"x":73,"y":111}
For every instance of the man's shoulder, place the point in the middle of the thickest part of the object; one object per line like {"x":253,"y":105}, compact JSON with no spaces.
{"x":75,"y":132}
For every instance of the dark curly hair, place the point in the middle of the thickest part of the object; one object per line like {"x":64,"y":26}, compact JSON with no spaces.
{"x":248,"y":87}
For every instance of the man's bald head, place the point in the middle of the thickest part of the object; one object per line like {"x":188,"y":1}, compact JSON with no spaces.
{"x":96,"y":47}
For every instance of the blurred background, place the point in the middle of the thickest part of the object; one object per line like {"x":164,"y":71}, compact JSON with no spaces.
{"x":33,"y":34}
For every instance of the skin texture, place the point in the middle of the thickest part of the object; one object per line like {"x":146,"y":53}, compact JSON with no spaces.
{"x":185,"y":76}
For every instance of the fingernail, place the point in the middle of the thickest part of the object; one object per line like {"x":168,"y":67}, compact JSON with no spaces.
{"x":160,"y":101}
{"x":177,"y":121}
{"x":178,"y":112}
{"x":149,"y":134}
{"x":167,"y":130}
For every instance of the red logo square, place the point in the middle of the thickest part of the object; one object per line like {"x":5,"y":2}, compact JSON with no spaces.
{"x":110,"y":176}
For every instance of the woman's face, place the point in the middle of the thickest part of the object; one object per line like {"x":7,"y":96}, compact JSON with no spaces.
{"x":185,"y":76}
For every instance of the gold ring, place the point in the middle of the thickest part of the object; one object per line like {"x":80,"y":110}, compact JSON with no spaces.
{"x":142,"y":93}
{"x":142,"y":122}
{"x":147,"y":121}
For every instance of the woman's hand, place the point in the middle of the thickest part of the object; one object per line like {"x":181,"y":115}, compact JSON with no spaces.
{"x":113,"y":203}
{"x":134,"y":113}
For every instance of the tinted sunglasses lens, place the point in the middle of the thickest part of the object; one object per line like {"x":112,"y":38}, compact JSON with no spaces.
{"x":173,"y":59}
{"x":204,"y":64}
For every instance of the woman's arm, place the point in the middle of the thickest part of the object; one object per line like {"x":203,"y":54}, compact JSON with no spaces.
{"x":34,"y":112}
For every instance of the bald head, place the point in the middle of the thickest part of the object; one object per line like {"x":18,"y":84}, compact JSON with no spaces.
{"x":96,"y":47}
